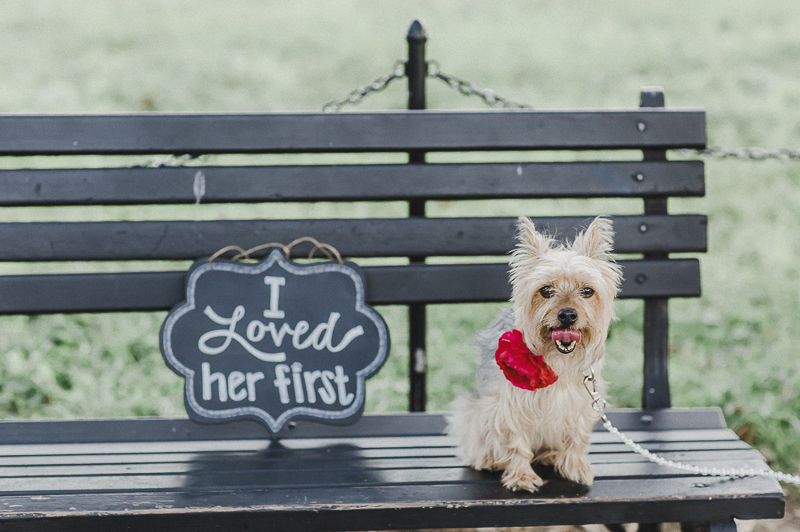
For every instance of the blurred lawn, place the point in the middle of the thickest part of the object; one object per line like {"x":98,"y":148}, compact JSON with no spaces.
{"x":734,"y":347}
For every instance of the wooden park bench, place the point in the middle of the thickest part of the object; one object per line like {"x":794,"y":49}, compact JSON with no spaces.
{"x":394,"y":471}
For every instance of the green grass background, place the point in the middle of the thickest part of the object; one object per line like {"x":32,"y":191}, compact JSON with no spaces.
{"x":735,"y":347}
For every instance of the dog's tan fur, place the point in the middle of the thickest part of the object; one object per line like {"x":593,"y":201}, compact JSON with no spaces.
{"x":504,"y":427}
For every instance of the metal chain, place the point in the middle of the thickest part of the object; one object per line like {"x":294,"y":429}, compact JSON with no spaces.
{"x":359,"y":93}
{"x":599,"y":404}
{"x":489,"y":97}
{"x":173,"y":160}
{"x":745,"y":154}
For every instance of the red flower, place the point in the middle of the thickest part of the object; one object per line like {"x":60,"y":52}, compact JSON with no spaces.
{"x":521,"y":367}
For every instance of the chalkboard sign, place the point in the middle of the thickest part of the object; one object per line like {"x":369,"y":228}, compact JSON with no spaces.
{"x":274,"y":341}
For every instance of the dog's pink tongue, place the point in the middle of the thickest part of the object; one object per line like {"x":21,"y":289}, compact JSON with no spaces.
{"x":566,"y":335}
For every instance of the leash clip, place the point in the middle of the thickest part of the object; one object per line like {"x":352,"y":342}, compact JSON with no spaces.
{"x":598,"y":403}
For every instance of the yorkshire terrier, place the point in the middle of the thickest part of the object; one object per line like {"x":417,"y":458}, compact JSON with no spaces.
{"x":531,"y":405}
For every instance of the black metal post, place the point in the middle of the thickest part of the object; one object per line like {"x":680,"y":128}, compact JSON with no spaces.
{"x":416,"y":72}
{"x":655,"y":392}
{"x":416,"y":67}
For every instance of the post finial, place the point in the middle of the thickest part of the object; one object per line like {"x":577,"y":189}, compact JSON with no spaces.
{"x":417,"y":31}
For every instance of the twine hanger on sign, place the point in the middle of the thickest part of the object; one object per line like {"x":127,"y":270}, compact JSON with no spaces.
{"x":328,"y":250}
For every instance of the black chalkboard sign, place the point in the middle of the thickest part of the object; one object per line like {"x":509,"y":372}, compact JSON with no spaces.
{"x":274,"y":340}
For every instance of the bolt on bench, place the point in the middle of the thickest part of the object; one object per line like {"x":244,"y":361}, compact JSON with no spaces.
{"x":385,"y":471}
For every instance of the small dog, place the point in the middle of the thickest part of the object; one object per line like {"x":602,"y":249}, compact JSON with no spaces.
{"x":562,"y":305}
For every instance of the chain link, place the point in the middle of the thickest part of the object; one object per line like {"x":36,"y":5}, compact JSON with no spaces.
{"x":173,"y":160}
{"x":745,"y":154}
{"x":359,"y":93}
{"x":466,"y":88}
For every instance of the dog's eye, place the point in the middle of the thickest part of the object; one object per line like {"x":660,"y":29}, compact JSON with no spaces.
{"x":586,"y":292}
{"x":547,"y":292}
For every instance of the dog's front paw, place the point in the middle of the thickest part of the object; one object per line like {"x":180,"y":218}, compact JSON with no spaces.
{"x":577,"y":469}
{"x":522,"y":478}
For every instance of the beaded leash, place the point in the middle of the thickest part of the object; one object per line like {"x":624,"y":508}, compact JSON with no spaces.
{"x":599,"y":404}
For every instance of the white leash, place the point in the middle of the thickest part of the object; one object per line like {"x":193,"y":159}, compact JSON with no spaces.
{"x":599,"y":404}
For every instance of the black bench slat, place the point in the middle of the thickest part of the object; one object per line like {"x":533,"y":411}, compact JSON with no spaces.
{"x":375,"y":508}
{"x":170,"y":456}
{"x":228,"y":462}
{"x":370,"y":425}
{"x":680,"y":451}
{"x":666,"y":419}
{"x":647,"y":469}
{"x":155,"y":133}
{"x":252,"y":184}
{"x":202,"y":479}
{"x":398,"y":237}
{"x":668,"y":440}
{"x":456,"y":283}
{"x":114,"y":292}
{"x":489,"y":282}
{"x":165,"y":429}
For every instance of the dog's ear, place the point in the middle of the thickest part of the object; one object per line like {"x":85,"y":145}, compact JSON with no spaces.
{"x":597,"y":242}
{"x":531,"y":242}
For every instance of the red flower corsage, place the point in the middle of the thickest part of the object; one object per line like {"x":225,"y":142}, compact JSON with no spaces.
{"x":521,"y":367}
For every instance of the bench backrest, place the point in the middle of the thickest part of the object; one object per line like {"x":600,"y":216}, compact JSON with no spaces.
{"x":81,"y":181}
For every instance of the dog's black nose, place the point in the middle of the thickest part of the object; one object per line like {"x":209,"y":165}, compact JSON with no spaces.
{"x":567,"y":316}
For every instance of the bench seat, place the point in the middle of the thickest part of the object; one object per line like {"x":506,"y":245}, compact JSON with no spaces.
{"x":385,"y":472}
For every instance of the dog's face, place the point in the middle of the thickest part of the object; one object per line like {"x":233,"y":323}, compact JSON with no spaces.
{"x":563,"y":296}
